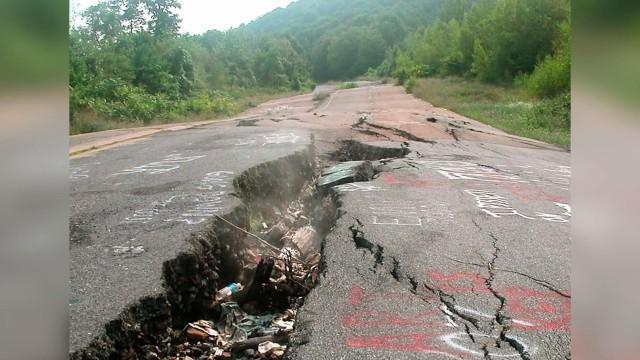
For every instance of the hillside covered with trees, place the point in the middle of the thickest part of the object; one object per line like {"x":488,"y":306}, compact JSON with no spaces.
{"x":504,"y":62}
{"x":495,"y":41}
{"x":130,"y":65}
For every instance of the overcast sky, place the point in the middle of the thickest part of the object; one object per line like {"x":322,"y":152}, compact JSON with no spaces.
{"x":199,"y":16}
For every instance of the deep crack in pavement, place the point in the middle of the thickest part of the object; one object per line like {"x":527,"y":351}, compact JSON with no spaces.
{"x":411,"y":204}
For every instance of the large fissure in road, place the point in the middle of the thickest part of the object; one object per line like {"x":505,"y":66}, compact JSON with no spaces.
{"x":270,"y":245}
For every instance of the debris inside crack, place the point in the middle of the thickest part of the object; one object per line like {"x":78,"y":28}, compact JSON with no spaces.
{"x":236,"y":292}
{"x":351,"y":150}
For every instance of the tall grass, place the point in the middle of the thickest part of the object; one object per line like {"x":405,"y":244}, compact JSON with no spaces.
{"x":348,"y":85}
{"x":133,"y":109}
{"x":507,"y":108}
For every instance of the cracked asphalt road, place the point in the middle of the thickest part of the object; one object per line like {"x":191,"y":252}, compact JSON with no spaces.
{"x":459,"y":250}
{"x":441,"y":278}
{"x":133,"y":207}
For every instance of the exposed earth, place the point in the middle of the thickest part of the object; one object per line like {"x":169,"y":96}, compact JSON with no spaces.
{"x":455,"y":245}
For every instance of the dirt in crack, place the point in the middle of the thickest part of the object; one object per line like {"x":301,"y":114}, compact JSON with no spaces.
{"x":364,"y":126}
{"x":503,"y":321}
{"x":380,"y":260}
{"x":448,"y":301}
{"x":235,"y":294}
{"x":361,"y":243}
{"x":351,"y":150}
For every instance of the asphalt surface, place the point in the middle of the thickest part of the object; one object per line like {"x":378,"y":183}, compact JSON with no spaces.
{"x":459,"y":250}
{"x":425,"y":217}
{"x":464,"y":242}
{"x":133,"y":206}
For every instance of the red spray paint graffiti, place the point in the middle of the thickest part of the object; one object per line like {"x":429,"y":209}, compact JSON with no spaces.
{"x":533,"y":309}
{"x":411,"y":181}
{"x":415,"y":342}
{"x":530,"y":310}
{"x":367,"y":319}
{"x":532,"y":193}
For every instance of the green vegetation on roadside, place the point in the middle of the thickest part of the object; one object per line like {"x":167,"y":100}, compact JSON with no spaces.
{"x":348,"y":85}
{"x":510,"y":109}
{"x":183,"y":110}
{"x":130,"y":66}
{"x":504,"y":62}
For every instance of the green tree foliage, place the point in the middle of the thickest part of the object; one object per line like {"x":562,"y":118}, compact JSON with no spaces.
{"x":552,"y":76}
{"x":279,"y":65}
{"x":182,"y":70}
{"x":164,"y":20}
{"x":343,"y":39}
{"x":493,"y":40}
{"x":129,"y":63}
{"x":505,"y":42}
{"x":132,"y":15}
{"x":103,"y":21}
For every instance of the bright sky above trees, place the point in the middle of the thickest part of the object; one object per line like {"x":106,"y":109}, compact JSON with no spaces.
{"x":199,"y":16}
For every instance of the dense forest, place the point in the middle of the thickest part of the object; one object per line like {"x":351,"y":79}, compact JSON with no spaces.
{"x":526,"y":41}
{"x":344,"y":39}
{"x":129,"y":63}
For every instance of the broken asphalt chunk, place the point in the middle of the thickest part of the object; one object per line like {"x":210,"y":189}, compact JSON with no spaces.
{"x":347,"y":172}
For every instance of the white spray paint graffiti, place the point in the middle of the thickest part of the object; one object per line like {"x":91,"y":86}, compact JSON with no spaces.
{"x":463,"y":170}
{"x":215,"y":179}
{"x":277,"y":109}
{"x":559,"y":176}
{"x":246,"y":142}
{"x":208,"y":204}
{"x":78,"y":173}
{"x":169,"y":163}
{"x":494,"y":204}
{"x":455,"y":340}
{"x":281,"y":139}
{"x":497,"y":207}
{"x":477,"y":313}
{"x":562,"y":218}
{"x":147,"y":214}
{"x":399,"y":214}
{"x":358,"y":187}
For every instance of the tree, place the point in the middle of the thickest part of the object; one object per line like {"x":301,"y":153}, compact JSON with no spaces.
{"x":103,"y":21}
{"x":391,"y":29}
{"x":133,"y":16}
{"x":164,"y":20}
{"x":182,"y":70}
{"x":370,"y":53}
{"x":320,"y":66}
